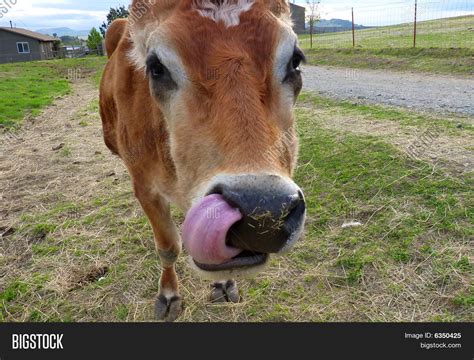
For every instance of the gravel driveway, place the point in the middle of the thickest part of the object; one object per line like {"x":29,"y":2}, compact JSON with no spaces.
{"x":436,"y":93}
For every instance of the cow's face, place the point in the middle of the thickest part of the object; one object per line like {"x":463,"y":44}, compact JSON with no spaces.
{"x":225,"y":74}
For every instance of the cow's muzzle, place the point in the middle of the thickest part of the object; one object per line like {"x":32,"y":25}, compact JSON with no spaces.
{"x":242,"y":220}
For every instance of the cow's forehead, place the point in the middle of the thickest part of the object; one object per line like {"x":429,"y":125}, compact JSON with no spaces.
{"x":200,"y":38}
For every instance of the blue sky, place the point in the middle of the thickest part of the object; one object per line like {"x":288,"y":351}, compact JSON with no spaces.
{"x":84,"y":14}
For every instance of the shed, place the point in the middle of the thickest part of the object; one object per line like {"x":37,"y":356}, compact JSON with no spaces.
{"x":298,"y":14}
{"x":18,"y":44}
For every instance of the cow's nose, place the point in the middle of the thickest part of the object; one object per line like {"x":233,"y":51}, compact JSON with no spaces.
{"x":273,"y":212}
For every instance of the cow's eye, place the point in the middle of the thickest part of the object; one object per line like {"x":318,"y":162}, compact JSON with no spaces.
{"x":155,"y":68}
{"x":293,"y":72}
{"x":161,"y":81}
{"x":293,"y":68}
{"x":298,"y":58}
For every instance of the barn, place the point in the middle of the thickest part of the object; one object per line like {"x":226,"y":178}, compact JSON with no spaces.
{"x":298,"y":18}
{"x":18,"y":44}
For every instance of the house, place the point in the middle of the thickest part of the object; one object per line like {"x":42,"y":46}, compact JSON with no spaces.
{"x":298,"y":18}
{"x":18,"y":44}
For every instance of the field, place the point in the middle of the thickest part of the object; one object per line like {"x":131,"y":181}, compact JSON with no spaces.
{"x":27,"y":87}
{"x":443,"y":46}
{"x":77,"y":247}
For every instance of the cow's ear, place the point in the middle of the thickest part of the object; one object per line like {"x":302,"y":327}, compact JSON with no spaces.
{"x":144,"y":17}
{"x":278,"y":7}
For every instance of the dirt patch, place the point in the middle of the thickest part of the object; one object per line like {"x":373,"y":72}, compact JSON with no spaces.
{"x":80,"y":277}
{"x":6,"y":231}
{"x":36,"y":172}
{"x":34,"y":166}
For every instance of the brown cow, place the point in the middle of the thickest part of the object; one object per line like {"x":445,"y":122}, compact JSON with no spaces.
{"x":197,"y":100}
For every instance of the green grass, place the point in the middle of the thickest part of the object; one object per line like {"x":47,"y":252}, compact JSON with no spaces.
{"x":25,"y":88}
{"x":447,"y":124}
{"x":65,"y":151}
{"x":347,"y":174}
{"x":443,"y":46}
{"x":410,"y":259}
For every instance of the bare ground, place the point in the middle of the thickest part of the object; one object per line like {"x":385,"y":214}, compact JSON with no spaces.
{"x":98,"y":268}
{"x":37,"y":160}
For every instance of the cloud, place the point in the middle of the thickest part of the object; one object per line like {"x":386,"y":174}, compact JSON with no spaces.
{"x":377,"y":13}
{"x":78,"y":15}
{"x":85,"y":14}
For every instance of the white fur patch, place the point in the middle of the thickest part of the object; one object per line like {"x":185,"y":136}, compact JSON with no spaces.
{"x":170,"y":59}
{"x":227,"y":11}
{"x":284,"y":53}
{"x":139,"y":38}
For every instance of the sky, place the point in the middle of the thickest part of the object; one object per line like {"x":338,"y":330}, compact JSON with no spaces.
{"x":85,"y":14}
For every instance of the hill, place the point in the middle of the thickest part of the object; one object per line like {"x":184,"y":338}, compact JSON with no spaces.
{"x":64,"y":31}
{"x":335,"y":25}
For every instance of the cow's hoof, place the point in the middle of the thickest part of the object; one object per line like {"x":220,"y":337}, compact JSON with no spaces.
{"x":168,"y":309}
{"x":225,"y":291}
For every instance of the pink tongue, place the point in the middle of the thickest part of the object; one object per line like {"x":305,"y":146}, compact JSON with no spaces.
{"x":205,"y":229}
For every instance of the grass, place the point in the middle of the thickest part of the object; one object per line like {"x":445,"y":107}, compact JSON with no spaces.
{"x":444,"y":46}
{"x":26,"y":88}
{"x":448,"y":124}
{"x":92,"y":258}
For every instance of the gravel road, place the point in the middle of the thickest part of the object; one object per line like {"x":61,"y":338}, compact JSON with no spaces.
{"x":434,"y":93}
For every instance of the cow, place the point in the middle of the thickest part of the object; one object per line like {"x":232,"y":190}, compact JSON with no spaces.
{"x":197,"y":100}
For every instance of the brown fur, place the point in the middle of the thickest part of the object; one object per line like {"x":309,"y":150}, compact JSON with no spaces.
{"x":114,"y":35}
{"x":226,"y":122}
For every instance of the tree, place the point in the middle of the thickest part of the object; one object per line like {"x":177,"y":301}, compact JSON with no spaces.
{"x":94,"y":39}
{"x":114,"y":13}
{"x":56,"y":45}
{"x":70,"y":40}
{"x":313,"y":17}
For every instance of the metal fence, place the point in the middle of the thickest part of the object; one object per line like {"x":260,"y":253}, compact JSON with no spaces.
{"x":421,"y":23}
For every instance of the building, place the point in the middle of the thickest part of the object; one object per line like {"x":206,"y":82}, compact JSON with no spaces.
{"x":298,"y":18}
{"x":18,"y":44}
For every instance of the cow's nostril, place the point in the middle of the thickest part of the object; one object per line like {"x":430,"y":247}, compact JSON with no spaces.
{"x":294,"y":201}
{"x":295,"y":215}
{"x":232,"y":197}
{"x":217,"y":189}
{"x":300,"y":194}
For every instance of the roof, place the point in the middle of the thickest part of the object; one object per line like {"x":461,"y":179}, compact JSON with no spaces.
{"x":28,"y":33}
{"x":291,"y":5}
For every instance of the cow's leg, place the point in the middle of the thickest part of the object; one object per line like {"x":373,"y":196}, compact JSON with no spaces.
{"x":225,"y":291}
{"x":169,"y":304}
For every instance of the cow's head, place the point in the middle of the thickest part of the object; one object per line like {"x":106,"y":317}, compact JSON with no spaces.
{"x":225,"y":74}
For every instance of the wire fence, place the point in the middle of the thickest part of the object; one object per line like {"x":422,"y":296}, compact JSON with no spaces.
{"x":420,"y":23}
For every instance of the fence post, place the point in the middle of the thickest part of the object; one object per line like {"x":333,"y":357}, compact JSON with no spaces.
{"x":353,"y":29}
{"x":414,"y":27}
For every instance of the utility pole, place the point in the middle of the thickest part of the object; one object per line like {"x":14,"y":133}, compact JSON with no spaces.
{"x":414,"y":28}
{"x":353,"y":30}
